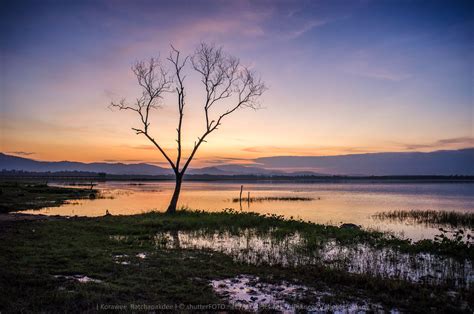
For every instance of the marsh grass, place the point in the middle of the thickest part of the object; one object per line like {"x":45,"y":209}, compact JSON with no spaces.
{"x":430,"y":217}
{"x":295,"y":249}
{"x":273,"y":199}
{"x":33,"y":253}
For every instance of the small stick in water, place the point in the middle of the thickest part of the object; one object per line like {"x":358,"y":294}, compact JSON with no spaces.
{"x":240,"y":197}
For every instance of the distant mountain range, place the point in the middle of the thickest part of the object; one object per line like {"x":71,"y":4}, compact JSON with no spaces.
{"x":9,"y":162}
{"x":450,"y":162}
{"x":247,"y":170}
{"x":443,"y":162}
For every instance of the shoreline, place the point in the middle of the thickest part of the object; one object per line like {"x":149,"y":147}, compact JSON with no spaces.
{"x":38,"y":177}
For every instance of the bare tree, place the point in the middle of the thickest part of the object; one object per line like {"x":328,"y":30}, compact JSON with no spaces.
{"x":225,"y":79}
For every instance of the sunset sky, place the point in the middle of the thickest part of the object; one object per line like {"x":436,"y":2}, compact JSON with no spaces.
{"x":344,"y":77}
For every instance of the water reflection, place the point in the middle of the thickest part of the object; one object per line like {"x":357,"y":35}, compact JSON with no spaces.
{"x":259,"y":248}
{"x":331,"y":203}
{"x":249,"y":294}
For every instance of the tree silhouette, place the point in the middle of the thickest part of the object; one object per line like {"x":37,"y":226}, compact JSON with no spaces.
{"x":225,"y":79}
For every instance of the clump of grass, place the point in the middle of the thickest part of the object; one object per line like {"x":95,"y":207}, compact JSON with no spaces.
{"x":430,"y":217}
{"x":273,"y":198}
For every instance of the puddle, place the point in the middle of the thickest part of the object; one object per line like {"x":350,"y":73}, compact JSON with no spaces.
{"x":78,"y":278}
{"x":121,"y":259}
{"x":118,"y":256}
{"x":250,"y":294}
{"x":263,"y":249}
{"x":141,"y":255}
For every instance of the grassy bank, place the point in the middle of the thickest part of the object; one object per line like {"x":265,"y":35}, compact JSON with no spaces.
{"x":33,"y":253}
{"x":15,"y":196}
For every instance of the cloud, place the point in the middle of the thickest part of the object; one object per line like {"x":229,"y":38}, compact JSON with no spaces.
{"x":142,"y":161}
{"x":308,"y":150}
{"x":224,"y":160}
{"x":145,"y":147}
{"x":441,"y":144}
{"x":237,"y":25}
{"x":305,"y":27}
{"x":213,"y":29}
{"x":260,"y":149}
{"x":22,"y":153}
{"x":123,"y":160}
{"x":456,"y":142}
{"x":158,"y":163}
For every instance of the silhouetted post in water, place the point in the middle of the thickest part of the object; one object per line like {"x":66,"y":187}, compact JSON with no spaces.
{"x":248,"y":199}
{"x":224,"y":79}
{"x":240,"y":196}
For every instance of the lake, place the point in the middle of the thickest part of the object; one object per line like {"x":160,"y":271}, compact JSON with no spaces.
{"x":332,"y":203}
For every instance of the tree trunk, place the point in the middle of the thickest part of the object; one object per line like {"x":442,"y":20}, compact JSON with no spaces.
{"x":174,"y":200}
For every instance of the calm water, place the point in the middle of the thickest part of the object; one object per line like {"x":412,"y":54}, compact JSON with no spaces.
{"x":333,"y":203}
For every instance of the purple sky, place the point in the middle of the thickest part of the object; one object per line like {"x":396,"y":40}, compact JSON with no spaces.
{"x":343,"y":76}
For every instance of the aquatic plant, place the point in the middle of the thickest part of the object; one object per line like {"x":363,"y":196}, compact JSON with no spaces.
{"x":429,"y":217}
{"x":295,"y":250}
{"x":273,"y":198}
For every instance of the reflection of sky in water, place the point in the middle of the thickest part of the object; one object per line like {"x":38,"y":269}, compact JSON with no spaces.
{"x":252,"y":247}
{"x":338,"y":203}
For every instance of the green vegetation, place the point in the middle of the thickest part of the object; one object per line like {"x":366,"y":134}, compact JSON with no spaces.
{"x":272,"y":198}
{"x":15,"y":196}
{"x":314,"y":234}
{"x":37,"y":259}
{"x":430,"y":217}
{"x":31,"y":253}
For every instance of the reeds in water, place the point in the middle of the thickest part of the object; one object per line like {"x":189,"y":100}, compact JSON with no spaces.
{"x":430,"y":217}
{"x":273,"y":198}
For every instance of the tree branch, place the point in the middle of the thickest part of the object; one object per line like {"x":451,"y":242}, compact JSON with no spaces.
{"x":154,"y":80}
{"x":224,"y":79}
{"x":223,"y":76}
{"x":174,"y":58}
